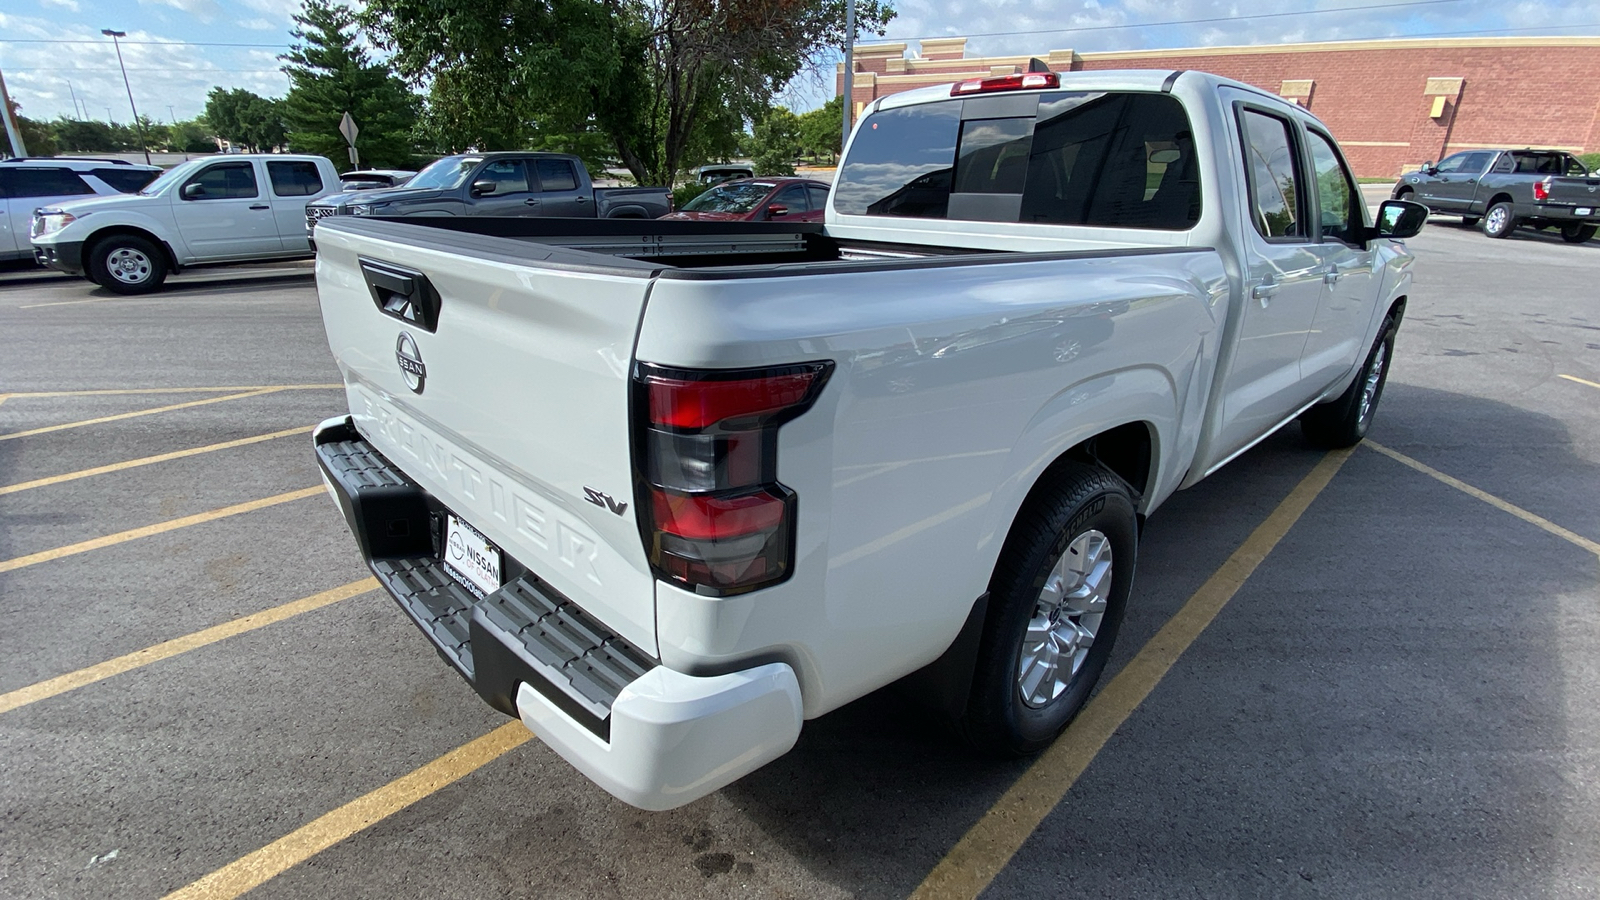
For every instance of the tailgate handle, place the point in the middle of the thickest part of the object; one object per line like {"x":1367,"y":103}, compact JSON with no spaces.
{"x":402,"y":293}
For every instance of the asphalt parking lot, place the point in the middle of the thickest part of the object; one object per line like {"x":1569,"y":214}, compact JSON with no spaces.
{"x":1359,"y":675}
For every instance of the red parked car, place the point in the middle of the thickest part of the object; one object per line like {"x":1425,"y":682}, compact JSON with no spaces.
{"x":759,"y":200}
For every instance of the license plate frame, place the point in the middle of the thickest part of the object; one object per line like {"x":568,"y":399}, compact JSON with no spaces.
{"x":471,"y":558}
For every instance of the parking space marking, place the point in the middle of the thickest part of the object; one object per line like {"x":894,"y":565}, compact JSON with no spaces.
{"x":70,"y":302}
{"x":133,"y":534}
{"x":1579,"y":380}
{"x":989,"y":844}
{"x":53,"y":687}
{"x":1531,"y":518}
{"x":150,"y":460}
{"x":255,"y":869}
{"x":108,"y":392}
{"x":137,"y":413}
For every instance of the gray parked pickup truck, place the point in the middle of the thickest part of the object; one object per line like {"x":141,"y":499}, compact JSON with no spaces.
{"x":1507,"y":188}
{"x":499,"y":184}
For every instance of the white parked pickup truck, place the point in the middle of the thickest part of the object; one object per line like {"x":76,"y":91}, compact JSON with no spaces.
{"x":207,"y":211}
{"x":665,"y":490}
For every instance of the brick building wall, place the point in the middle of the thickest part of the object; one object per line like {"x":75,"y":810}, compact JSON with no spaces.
{"x":1392,"y":104}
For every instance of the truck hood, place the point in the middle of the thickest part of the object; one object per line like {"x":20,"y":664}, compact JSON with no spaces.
{"x":112,"y":203}
{"x":380,"y":195}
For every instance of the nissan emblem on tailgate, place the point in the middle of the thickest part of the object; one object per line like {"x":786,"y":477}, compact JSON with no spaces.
{"x":410,"y":360}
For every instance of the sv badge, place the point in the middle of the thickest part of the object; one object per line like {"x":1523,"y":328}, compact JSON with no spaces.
{"x":604,"y":500}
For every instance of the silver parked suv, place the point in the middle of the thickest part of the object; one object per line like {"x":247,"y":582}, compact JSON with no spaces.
{"x":27,"y":183}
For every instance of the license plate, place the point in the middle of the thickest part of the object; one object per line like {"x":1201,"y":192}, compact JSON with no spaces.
{"x":1583,"y":210}
{"x":470,"y":557}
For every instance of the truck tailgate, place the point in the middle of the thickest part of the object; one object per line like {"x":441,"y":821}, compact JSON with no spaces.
{"x":501,"y":356}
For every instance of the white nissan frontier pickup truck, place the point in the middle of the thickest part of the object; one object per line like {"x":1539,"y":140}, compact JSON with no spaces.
{"x":666,"y":490}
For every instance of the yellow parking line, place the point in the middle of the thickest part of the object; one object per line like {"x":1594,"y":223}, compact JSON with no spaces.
{"x":133,"y":534}
{"x":256,"y":868}
{"x":106,"y":392}
{"x":988,"y":846}
{"x":1579,"y":380}
{"x":70,"y":302}
{"x":1531,"y":518}
{"x":150,"y":460}
{"x":71,"y":681}
{"x":133,"y":415}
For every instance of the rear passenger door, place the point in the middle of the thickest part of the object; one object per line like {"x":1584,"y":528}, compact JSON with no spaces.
{"x":24,"y":189}
{"x":559,"y":193}
{"x":1282,"y":278}
{"x":293,"y":183}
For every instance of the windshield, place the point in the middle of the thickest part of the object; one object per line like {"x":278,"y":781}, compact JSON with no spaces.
{"x":445,"y":174}
{"x":730,"y":198}
{"x":176,"y":173}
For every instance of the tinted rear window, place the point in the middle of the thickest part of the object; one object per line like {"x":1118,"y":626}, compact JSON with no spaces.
{"x":128,"y":181}
{"x":294,"y":178}
{"x":24,"y":181}
{"x":1119,"y":160}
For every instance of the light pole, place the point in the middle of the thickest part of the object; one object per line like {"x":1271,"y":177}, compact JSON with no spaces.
{"x":137,"y":127}
{"x":849,"y":66}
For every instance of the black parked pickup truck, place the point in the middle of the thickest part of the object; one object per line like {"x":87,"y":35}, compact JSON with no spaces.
{"x":1505,"y":189}
{"x":498,"y":184}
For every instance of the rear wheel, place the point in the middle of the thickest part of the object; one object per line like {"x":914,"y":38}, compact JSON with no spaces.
{"x":1343,"y":421}
{"x":127,"y":264}
{"x":1498,"y":222}
{"x":1577,"y":234}
{"x":1055,"y":603}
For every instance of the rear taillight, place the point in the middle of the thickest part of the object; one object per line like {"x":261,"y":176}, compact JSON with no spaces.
{"x":1027,"y":81}
{"x":713,"y":516}
{"x":1541,"y":190}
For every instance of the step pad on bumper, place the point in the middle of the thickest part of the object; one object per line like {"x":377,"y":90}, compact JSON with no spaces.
{"x":524,"y":633}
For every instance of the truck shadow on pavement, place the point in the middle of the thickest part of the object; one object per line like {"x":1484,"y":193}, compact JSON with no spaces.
{"x":1383,"y":706}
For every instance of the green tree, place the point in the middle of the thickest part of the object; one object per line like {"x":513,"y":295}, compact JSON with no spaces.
{"x":35,"y":135}
{"x":329,"y":75}
{"x":776,"y":142}
{"x":191,"y":136}
{"x":247,"y":119}
{"x":78,"y":136}
{"x":662,"y":79}
{"x":822,"y":130}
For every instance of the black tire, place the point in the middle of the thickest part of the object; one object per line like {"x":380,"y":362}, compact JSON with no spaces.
{"x":1343,"y":421}
{"x":126,"y":264}
{"x":1577,"y":234}
{"x":1076,"y":501}
{"x":1470,"y":221}
{"x":1499,"y":221}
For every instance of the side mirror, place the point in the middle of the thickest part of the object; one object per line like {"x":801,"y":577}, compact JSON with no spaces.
{"x":1428,"y":168}
{"x":482,"y":188}
{"x":776,"y":210}
{"x":194,"y":191}
{"x":1400,"y":219}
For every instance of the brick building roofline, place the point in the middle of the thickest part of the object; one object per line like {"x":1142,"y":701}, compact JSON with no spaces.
{"x":1424,"y":43}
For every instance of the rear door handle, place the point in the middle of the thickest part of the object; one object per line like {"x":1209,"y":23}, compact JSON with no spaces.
{"x":1264,"y":292}
{"x":259,"y":206}
{"x":1331,"y":277}
{"x":531,"y":201}
{"x":581,"y":199}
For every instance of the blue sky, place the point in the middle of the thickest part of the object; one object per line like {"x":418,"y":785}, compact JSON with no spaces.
{"x":172,"y":60}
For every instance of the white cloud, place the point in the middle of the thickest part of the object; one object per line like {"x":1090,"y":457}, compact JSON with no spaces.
{"x":204,"y":10}
{"x":70,"y":5}
{"x":260,"y":25}
{"x":161,"y":74}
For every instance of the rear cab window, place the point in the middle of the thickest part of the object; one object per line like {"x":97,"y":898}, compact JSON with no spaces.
{"x":1272,"y":176}
{"x":294,"y":178}
{"x":555,"y":175}
{"x":1095,"y":158}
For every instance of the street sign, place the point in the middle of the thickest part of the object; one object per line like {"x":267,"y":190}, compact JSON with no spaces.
{"x":347,"y":127}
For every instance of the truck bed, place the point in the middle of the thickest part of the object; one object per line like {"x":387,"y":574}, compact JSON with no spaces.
{"x":674,"y":249}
